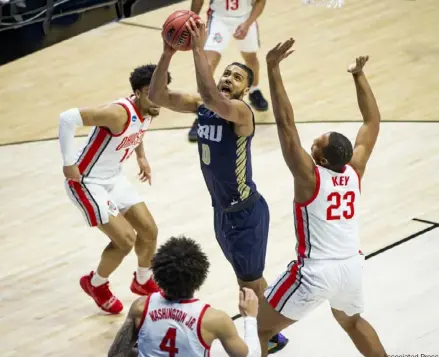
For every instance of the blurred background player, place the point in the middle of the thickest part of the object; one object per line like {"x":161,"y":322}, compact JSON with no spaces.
{"x":96,"y":185}
{"x":327,"y":189}
{"x":233,"y":18}
{"x":225,"y":132}
{"x":173,"y":322}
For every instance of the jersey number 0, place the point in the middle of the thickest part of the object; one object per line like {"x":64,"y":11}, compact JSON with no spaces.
{"x":232,"y":4}
{"x":168,"y":342}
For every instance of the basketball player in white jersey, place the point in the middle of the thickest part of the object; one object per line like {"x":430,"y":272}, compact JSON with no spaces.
{"x":173,"y":323}
{"x":98,"y":188}
{"x":327,"y":186}
{"x":237,"y":19}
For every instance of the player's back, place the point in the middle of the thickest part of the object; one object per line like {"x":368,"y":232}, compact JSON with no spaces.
{"x":327,"y":225}
{"x":225,"y":159}
{"x":230,"y":8}
{"x":172,"y":328}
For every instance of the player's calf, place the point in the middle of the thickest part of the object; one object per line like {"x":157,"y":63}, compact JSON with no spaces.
{"x":361,"y":333}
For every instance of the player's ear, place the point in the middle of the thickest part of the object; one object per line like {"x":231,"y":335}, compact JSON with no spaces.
{"x":137,"y":93}
{"x":324,"y":162}
{"x":246,"y":90}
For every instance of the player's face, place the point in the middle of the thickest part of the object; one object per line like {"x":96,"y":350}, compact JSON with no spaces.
{"x":317,"y":148}
{"x":146,"y":106}
{"x":233,"y":83}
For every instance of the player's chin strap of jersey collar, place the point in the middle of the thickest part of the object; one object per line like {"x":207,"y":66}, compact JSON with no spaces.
{"x":249,"y":201}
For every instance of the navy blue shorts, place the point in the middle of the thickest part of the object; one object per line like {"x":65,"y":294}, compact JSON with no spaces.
{"x":243,"y":237}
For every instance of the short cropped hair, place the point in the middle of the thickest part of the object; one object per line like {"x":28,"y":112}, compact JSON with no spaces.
{"x":250,"y":75}
{"x":338,"y":152}
{"x":142,"y":75}
{"x":180,"y":267}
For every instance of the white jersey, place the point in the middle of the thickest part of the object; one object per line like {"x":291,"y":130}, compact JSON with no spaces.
{"x":172,"y":328}
{"x":101,"y":158}
{"x":327,"y":225}
{"x":230,"y":8}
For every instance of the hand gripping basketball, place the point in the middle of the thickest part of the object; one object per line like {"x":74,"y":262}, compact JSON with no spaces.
{"x":175,"y":32}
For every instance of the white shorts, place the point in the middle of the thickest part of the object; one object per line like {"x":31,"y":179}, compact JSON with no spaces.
{"x":307,"y":283}
{"x":97,"y":201}
{"x":221,"y":29}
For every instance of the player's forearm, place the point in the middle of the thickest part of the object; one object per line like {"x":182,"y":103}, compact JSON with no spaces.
{"x":257,"y":10}
{"x":196,"y":6}
{"x":366,"y":100}
{"x":68,"y":121}
{"x":206,"y":84}
{"x":158,"y":92}
{"x":140,"y":151}
{"x":125,"y":341}
{"x":282,"y":109}
{"x":251,"y":337}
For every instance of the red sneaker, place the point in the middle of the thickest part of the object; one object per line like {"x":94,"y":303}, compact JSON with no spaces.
{"x":102,"y":295}
{"x":146,"y":289}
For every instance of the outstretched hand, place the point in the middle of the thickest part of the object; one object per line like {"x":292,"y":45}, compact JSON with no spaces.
{"x":357,"y":67}
{"x":197,"y":30}
{"x":280,"y":52}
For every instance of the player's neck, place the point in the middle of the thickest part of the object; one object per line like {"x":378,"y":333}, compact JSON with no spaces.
{"x":143,"y":111}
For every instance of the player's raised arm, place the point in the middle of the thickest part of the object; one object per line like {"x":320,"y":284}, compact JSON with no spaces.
{"x":298,"y":160}
{"x":368,"y":133}
{"x":161,"y":95}
{"x":196,"y":6}
{"x":228,"y":109}
{"x":126,"y":338}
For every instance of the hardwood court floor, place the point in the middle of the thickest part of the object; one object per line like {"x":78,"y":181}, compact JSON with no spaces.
{"x":45,"y":246}
{"x":93,"y":68}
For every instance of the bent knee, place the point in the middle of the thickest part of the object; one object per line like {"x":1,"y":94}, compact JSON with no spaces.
{"x":346,"y":322}
{"x":148,"y":230}
{"x":126,"y":240}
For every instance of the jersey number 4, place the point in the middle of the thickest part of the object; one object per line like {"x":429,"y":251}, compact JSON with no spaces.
{"x":168,"y":342}
{"x":333,"y":212}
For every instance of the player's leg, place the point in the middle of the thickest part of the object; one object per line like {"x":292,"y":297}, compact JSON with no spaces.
{"x":93,"y":201}
{"x":362,"y":334}
{"x":246,"y":233}
{"x":137,"y":214}
{"x":347,"y":306}
{"x":249,"y":47}
{"x":217,"y":39}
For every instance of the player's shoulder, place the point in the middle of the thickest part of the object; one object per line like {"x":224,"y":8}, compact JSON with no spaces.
{"x":137,"y":308}
{"x":215,"y":319}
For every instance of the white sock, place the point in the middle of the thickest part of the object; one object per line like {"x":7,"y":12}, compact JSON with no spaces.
{"x":143,"y":274}
{"x":98,"y":280}
{"x":253,"y":88}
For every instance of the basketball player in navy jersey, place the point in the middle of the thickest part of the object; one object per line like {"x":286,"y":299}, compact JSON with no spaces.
{"x":225,"y":130}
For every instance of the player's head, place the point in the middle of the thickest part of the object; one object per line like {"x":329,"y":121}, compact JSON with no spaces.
{"x":236,"y":81}
{"x":180,"y":267}
{"x":140,"y":80}
{"x":332,"y":150}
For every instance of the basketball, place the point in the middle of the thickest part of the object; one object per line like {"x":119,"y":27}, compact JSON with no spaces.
{"x":174,"y":30}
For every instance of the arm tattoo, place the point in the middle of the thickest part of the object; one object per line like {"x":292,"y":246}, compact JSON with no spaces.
{"x":126,"y":338}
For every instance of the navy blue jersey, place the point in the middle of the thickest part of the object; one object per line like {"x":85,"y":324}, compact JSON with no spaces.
{"x":225,"y":159}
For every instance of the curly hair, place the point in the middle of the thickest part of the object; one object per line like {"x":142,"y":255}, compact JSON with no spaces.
{"x":141,"y":76}
{"x":180,"y":267}
{"x":338,"y":152}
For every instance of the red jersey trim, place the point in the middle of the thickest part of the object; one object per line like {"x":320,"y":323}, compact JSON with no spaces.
{"x":127,"y":124}
{"x":145,"y":311}
{"x":316,"y":190}
{"x":358,"y":175}
{"x":200,"y":318}
{"x":136,"y":110}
